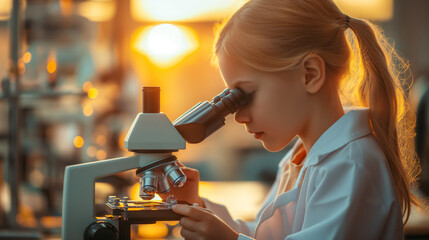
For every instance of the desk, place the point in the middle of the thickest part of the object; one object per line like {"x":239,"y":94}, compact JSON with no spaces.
{"x":417,"y":226}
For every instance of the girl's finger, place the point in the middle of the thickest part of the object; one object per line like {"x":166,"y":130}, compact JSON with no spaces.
{"x":189,"y":223}
{"x":180,"y":164}
{"x":187,"y":234}
{"x":202,"y":209}
{"x":191,"y":174}
{"x":190,"y":211}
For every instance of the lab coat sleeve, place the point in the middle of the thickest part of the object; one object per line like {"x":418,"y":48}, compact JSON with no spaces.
{"x":244,"y":237}
{"x":342,"y":203}
{"x":238,"y":225}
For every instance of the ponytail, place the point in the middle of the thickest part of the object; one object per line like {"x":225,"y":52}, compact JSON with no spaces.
{"x":392,"y":122}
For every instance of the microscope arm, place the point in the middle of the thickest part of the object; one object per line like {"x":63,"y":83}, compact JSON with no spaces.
{"x":79,"y":189}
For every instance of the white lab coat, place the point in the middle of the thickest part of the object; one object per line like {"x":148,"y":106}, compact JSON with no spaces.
{"x":346,"y":192}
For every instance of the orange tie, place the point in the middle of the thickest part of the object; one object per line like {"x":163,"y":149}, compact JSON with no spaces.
{"x":291,"y":169}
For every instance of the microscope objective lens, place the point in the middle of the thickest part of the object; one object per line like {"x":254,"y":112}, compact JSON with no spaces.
{"x":148,"y":182}
{"x":175,"y":175}
{"x":180,"y":181}
{"x":146,"y":196}
{"x":163,"y":184}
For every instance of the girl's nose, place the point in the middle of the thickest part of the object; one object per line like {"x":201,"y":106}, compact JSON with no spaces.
{"x":242,"y":116}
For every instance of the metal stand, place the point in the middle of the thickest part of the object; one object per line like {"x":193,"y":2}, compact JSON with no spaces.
{"x":13,"y":163}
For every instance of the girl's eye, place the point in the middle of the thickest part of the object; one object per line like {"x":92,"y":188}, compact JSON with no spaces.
{"x":247,"y":91}
{"x":250,"y":95}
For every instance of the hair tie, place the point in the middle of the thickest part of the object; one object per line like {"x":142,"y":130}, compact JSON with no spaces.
{"x":347,"y":21}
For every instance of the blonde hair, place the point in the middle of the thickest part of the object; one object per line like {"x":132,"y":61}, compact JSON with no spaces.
{"x":275,"y":35}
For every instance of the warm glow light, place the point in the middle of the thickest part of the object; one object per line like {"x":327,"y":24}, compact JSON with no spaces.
{"x":215,"y":10}
{"x":92,"y":93}
{"x":381,"y":10}
{"x":171,"y":223}
{"x":5,"y":9}
{"x":86,"y":86}
{"x":51,"y":221}
{"x":151,"y":231}
{"x":97,"y":11}
{"x":165,"y":44}
{"x":25,"y":216}
{"x":21,"y":67}
{"x":183,"y":10}
{"x":176,"y":232}
{"x":51,"y":63}
{"x":101,"y":140}
{"x":78,"y":141}
{"x":88,"y":110}
{"x":92,"y":151}
{"x":121,"y":140}
{"x":101,"y":154}
{"x":242,"y":199}
{"x":27,"y":57}
{"x":36,"y":178}
{"x":66,"y":7}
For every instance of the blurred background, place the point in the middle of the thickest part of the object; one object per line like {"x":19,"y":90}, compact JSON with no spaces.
{"x":71,"y":74}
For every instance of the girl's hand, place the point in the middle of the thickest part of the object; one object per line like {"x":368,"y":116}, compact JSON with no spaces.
{"x":200,"y":223}
{"x":189,"y":191}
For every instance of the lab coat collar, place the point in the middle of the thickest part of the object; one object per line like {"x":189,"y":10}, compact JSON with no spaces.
{"x":353,"y":125}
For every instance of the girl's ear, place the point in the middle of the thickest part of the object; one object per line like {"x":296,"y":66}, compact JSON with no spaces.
{"x":314,"y":67}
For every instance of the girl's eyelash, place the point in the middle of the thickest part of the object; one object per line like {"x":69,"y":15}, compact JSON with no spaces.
{"x":251,"y":94}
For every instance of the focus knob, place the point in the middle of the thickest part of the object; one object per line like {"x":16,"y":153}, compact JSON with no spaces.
{"x":101,"y":230}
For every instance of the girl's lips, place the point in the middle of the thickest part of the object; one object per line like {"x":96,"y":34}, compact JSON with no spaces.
{"x":258,"y":135}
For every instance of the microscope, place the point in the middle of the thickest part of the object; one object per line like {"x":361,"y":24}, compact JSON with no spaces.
{"x":152,"y":138}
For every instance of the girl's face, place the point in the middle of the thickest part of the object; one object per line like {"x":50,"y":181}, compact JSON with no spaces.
{"x":277,"y":112}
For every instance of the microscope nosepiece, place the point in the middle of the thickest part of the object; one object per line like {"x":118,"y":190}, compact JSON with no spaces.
{"x":175,"y":175}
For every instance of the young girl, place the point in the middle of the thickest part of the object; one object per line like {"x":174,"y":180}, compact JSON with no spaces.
{"x":347,"y":177}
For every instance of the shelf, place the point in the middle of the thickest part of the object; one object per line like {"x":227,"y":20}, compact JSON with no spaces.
{"x":46,"y":94}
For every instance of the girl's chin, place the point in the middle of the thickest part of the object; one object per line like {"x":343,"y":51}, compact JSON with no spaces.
{"x":272,"y":147}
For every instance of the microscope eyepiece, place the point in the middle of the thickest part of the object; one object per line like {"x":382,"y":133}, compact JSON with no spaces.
{"x":151,"y":99}
{"x":206,"y":117}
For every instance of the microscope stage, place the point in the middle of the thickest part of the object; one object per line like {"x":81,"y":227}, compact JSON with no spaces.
{"x":144,"y":212}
